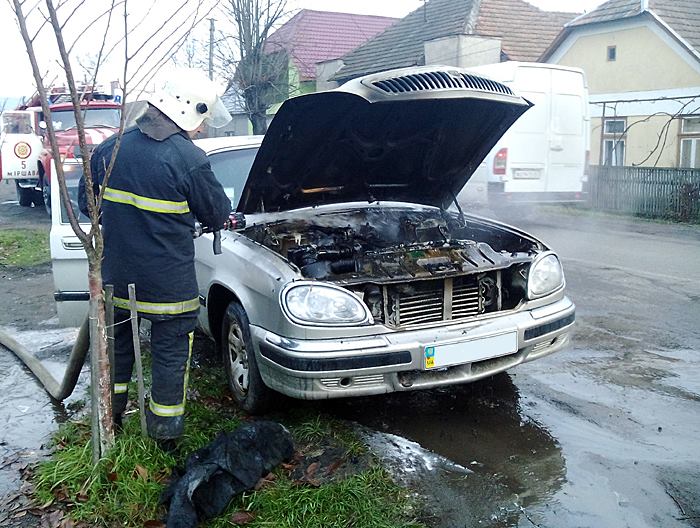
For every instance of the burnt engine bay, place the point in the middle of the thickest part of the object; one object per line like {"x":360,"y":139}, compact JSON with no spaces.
{"x":409,"y":266}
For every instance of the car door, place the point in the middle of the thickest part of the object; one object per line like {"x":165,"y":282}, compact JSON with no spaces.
{"x":68,"y":258}
{"x":231,"y":167}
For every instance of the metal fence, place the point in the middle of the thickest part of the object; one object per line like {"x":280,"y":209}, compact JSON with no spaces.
{"x":643,"y":191}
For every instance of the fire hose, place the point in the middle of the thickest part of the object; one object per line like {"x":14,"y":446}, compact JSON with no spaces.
{"x":58,"y":390}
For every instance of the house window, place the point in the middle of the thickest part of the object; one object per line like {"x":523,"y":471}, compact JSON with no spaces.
{"x":612,"y":53}
{"x":614,"y":152}
{"x":614,"y":142}
{"x":614,"y":127}
{"x":690,"y":143}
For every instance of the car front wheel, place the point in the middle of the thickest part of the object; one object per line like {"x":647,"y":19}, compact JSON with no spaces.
{"x":251,"y":393}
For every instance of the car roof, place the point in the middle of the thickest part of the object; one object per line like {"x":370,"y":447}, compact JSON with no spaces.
{"x":210,"y":145}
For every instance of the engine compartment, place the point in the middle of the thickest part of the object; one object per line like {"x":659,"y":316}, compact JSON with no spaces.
{"x":410,"y":266}
{"x":386,"y":244}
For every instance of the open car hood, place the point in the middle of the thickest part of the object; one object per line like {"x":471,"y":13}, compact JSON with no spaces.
{"x":412,"y":135}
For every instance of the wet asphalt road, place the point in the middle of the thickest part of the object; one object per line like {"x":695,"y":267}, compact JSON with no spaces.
{"x":604,"y":434}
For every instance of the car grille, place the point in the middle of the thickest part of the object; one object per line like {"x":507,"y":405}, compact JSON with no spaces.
{"x":434,"y":301}
{"x":439,"y":80}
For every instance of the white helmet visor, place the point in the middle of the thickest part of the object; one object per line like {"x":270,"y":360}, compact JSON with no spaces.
{"x":217,"y":116}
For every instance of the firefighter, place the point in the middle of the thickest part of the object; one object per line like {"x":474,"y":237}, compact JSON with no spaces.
{"x":161,"y":183}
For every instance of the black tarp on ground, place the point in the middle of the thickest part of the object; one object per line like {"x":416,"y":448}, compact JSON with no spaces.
{"x":233,"y":463}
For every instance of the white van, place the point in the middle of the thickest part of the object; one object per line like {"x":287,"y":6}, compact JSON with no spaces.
{"x":544,"y":156}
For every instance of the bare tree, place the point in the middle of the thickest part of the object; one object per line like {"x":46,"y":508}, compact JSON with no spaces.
{"x":258,"y":70}
{"x":147,"y":54}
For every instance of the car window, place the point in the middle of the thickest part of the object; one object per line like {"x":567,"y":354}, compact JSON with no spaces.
{"x":72,"y":180}
{"x":231,"y":168}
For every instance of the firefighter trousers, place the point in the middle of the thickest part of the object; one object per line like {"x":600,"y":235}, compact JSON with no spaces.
{"x":171,"y":351}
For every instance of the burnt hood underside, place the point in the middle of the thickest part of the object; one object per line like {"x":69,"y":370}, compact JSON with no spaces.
{"x":335,"y":147}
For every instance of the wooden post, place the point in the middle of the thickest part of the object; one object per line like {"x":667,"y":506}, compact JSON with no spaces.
{"x":137,"y":357}
{"x":109,"y":323}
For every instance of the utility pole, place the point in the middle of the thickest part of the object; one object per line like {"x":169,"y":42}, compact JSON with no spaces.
{"x":211,"y":49}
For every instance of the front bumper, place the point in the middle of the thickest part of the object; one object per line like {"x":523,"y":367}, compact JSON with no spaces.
{"x":321,"y":369}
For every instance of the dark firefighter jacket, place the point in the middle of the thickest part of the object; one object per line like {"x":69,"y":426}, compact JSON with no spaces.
{"x":160,"y":183}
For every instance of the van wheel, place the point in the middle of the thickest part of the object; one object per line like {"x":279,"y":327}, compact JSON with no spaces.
{"x":238,"y":354}
{"x":25,"y":197}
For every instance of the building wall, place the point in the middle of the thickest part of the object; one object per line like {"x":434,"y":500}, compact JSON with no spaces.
{"x":462,"y":51}
{"x":645,"y":59}
{"x":651,"y":67}
{"x":642,"y":143}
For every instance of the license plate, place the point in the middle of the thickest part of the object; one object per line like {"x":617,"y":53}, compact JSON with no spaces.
{"x":524,"y":174}
{"x":478,"y":349}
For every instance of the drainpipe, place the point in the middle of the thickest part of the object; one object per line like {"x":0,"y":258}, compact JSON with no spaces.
{"x":644,"y":6}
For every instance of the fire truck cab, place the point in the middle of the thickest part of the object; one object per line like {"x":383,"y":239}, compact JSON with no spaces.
{"x":25,"y":152}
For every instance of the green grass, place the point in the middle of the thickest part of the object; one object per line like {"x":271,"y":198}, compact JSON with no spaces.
{"x":367,"y":500}
{"x":24,"y":247}
{"x":125,"y":486}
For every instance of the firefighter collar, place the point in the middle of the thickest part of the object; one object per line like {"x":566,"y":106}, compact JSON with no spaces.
{"x":156,"y":125}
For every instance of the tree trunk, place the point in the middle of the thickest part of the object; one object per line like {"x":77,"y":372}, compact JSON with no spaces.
{"x":259,"y":121}
{"x":101,"y":390}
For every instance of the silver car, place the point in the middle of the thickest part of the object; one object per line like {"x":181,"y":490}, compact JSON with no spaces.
{"x":357,"y":273}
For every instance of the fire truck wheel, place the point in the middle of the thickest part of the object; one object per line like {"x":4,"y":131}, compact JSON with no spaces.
{"x":46,"y":193}
{"x":38,"y":198}
{"x":25,"y":197}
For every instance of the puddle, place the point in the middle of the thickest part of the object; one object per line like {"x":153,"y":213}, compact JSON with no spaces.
{"x":469,"y":449}
{"x":28,"y":415}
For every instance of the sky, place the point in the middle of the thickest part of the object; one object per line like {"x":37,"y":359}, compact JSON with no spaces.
{"x":16,"y":79}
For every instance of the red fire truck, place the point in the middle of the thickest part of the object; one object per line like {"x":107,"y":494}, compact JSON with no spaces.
{"x":25,"y":152}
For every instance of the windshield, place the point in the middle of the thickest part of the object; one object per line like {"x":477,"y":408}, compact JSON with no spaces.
{"x":231,"y":168}
{"x":94,"y":117}
{"x":17,"y":123}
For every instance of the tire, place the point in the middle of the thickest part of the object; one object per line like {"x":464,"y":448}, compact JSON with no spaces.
{"x":46,"y":193}
{"x":38,"y":198}
{"x":25,"y":197}
{"x":238,"y":354}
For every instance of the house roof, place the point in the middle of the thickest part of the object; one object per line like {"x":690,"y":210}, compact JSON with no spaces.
{"x":681,"y":16}
{"x":311,"y":37}
{"x":525,"y":32}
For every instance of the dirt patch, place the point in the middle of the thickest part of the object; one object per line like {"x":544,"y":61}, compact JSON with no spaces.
{"x":29,"y":294}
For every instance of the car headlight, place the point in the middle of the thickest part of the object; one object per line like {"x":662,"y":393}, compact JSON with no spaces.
{"x":324,"y":304}
{"x":546,"y":276}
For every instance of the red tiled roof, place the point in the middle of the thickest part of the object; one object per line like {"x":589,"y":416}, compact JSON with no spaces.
{"x":525,"y":30}
{"x":311,"y":37}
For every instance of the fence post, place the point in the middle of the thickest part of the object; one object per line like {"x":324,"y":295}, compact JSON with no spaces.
{"x":137,"y":357}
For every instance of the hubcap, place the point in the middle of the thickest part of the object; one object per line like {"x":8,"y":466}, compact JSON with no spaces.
{"x":237,"y":360}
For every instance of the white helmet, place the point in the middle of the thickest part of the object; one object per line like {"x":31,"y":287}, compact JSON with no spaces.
{"x":189,"y":97}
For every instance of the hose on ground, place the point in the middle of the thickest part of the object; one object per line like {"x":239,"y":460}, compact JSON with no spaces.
{"x":58,"y":390}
